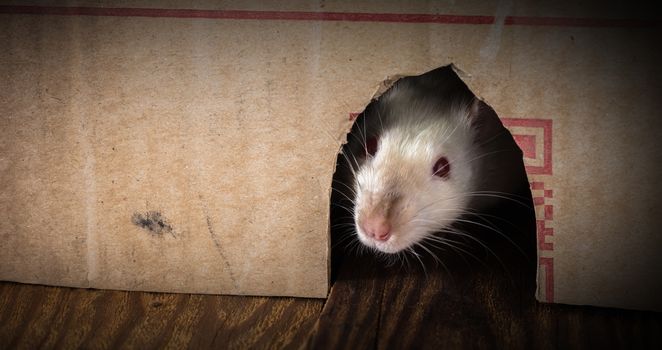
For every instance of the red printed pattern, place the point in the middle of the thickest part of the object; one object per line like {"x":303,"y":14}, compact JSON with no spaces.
{"x":534,"y":137}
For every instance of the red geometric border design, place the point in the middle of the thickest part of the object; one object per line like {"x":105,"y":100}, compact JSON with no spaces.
{"x":526,"y":132}
{"x":546,"y":146}
{"x":545,"y":215}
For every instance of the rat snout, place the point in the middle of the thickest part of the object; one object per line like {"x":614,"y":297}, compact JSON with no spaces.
{"x":376,"y":215}
{"x":377,"y":227}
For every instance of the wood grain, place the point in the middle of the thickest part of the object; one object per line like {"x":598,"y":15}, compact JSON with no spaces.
{"x":52,"y":317}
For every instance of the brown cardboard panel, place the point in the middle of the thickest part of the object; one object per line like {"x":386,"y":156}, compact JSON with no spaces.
{"x":229,"y":129}
{"x":106,"y":118}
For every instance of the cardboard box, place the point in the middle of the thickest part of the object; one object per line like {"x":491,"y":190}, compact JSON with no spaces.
{"x":191,"y":150}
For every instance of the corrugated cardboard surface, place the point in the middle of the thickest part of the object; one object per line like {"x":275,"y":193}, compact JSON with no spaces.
{"x":229,"y":129}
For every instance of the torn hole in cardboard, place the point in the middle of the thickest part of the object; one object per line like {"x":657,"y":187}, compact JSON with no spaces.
{"x":386,"y":199}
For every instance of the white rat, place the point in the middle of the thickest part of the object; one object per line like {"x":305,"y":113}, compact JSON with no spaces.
{"x":423,"y":155}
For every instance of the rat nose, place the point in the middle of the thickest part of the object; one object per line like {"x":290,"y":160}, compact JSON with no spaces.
{"x":377,"y":227}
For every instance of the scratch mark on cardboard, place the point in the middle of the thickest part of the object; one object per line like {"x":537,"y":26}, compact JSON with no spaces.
{"x":90,"y":188}
{"x":217,"y":243}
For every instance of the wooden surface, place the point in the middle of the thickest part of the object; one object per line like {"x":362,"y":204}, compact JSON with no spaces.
{"x":480,"y":302}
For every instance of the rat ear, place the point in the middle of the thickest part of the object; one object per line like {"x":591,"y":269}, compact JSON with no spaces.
{"x":474,"y":110}
{"x":483,"y":119}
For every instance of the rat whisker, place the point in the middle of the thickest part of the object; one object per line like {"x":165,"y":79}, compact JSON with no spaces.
{"x":353,"y":192}
{"x":342,"y":207}
{"x":483,"y":245}
{"x":496,"y":231}
{"x":457,"y":249}
{"x":344,"y":195}
{"x":415,"y":254}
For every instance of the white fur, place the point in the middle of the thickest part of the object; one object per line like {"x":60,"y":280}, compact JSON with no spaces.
{"x":400,"y":173}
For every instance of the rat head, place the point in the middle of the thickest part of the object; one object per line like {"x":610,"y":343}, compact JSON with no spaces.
{"x":415,"y":177}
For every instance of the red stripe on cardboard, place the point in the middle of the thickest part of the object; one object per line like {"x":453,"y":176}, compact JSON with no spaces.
{"x":579,"y":22}
{"x":327,"y":16}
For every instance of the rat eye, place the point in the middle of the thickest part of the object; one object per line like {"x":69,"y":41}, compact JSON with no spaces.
{"x":371,"y":145}
{"x":441,"y":168}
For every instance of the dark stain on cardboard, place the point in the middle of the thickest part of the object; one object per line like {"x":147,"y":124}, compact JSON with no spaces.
{"x":153,"y":222}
